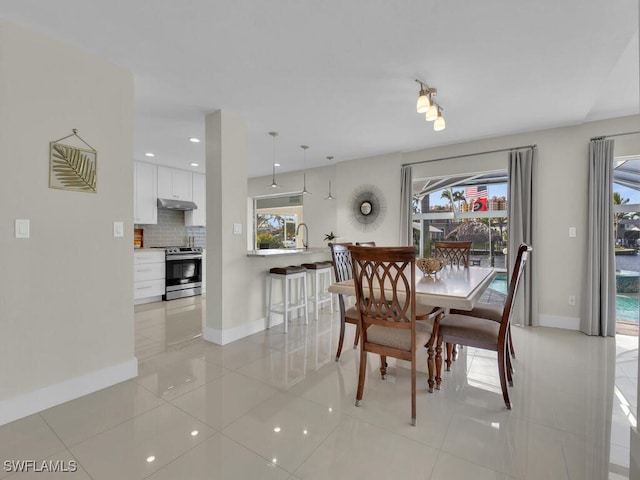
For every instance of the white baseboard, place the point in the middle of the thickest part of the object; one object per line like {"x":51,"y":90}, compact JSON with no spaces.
{"x":222,"y":337}
{"x":141,"y":301}
{"x":557,"y":321}
{"x":29,"y":403}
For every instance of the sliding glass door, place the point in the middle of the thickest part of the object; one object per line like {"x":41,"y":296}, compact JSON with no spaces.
{"x":469,"y":207}
{"x":626,"y":218}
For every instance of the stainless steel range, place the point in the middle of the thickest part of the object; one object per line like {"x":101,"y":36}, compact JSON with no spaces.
{"x":183,"y":272}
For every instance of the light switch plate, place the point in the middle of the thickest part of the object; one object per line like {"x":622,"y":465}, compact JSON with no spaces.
{"x":23,"y":228}
{"x":237,"y":229}
{"x":572,"y":232}
{"x":118,"y":229}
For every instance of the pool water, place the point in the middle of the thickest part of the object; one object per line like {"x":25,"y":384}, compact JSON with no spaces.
{"x":499,"y":283}
{"x":627,"y":308}
{"x":626,"y":304}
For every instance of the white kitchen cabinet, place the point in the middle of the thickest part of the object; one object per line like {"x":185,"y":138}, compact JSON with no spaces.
{"x":175,"y":184}
{"x":148,"y":276}
{"x":145,"y":198}
{"x":198,"y":217}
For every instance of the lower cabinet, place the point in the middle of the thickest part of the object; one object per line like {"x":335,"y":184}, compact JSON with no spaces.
{"x":148,"y":276}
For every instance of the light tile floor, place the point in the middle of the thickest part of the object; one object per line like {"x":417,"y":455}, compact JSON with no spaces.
{"x":276,"y":406}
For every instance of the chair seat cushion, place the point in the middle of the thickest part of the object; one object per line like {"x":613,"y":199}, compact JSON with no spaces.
{"x":426,"y":325}
{"x":490,"y":312}
{"x":317,"y":265}
{"x":287,"y":270}
{"x":395,"y":337}
{"x":473,"y":328}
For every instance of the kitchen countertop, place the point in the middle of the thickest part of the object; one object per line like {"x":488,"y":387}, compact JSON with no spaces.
{"x":271,"y":252}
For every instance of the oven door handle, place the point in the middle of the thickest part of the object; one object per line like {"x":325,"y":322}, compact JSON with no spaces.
{"x":184,"y":257}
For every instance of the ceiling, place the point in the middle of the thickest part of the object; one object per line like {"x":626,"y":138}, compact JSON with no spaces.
{"x":339,"y":75}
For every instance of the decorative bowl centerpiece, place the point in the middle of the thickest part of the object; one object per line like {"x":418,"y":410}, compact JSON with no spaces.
{"x":431,"y":265}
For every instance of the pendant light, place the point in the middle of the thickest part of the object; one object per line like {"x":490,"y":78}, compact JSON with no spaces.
{"x":330,"y":197}
{"x":274,"y":184}
{"x":304,"y":171}
{"x":432,"y":113}
{"x":438,"y":124}
{"x":424,"y":102}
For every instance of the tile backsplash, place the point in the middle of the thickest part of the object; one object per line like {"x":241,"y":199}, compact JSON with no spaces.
{"x":171,"y":231}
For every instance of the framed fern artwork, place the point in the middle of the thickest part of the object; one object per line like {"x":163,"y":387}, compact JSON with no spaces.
{"x":72,"y":168}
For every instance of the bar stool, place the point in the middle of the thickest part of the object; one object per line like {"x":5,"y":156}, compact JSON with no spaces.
{"x":289,"y":276}
{"x":320,"y":274}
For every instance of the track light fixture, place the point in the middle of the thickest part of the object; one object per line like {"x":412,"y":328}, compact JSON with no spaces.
{"x":429,"y":107}
{"x":274,"y":184}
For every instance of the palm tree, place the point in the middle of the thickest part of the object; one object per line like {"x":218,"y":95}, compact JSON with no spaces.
{"x":452,"y":196}
{"x":618,"y":200}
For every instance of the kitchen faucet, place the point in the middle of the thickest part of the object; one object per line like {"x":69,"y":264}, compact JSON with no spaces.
{"x":305,"y":238}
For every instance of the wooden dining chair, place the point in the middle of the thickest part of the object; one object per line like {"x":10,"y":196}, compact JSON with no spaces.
{"x":384,"y":280}
{"x":490,"y":312}
{"x":484,"y":333}
{"x":456,"y":253}
{"x":343,"y":271}
{"x":423,"y":312}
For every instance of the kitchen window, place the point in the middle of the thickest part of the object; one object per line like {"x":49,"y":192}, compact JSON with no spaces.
{"x":276,"y":220}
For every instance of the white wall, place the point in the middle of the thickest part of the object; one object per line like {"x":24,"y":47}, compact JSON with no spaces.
{"x":562,"y":197}
{"x":66,"y":315}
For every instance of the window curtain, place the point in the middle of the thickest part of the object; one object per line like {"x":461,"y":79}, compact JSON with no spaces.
{"x":522,"y":229}
{"x":406,"y":210}
{"x":598,"y":316}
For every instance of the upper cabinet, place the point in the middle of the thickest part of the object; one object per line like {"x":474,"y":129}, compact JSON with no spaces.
{"x":198,"y":217}
{"x":174,"y":184}
{"x":145,"y":198}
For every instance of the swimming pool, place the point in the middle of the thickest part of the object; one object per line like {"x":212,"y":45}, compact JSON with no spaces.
{"x":626,"y":304}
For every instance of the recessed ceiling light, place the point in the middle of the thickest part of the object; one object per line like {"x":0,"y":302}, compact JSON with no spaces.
{"x":276,"y":164}
{"x":151,"y":458}
{"x":194,"y":140}
{"x":194,"y":164}
{"x":149,"y":154}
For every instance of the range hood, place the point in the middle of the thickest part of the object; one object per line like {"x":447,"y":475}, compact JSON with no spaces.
{"x":169,"y":204}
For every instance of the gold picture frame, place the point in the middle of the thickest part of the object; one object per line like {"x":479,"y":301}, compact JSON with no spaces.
{"x":72,"y":168}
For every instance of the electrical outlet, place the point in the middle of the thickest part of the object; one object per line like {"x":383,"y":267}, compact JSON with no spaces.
{"x":572,"y":300}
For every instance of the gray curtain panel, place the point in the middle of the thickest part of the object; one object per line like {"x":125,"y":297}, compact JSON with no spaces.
{"x":598,"y":315}
{"x":406,"y":210}
{"x":522,"y":229}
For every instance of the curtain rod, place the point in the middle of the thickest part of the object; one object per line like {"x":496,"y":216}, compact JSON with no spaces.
{"x":614,"y":135}
{"x":470,"y":155}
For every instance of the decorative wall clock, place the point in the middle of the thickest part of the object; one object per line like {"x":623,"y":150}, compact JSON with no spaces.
{"x":368,"y":208}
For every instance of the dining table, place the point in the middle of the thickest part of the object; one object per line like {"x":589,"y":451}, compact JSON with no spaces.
{"x":452,"y":287}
